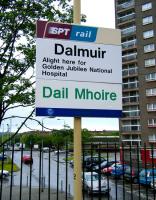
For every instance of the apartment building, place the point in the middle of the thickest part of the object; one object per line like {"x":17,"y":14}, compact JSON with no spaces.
{"x":137,"y":21}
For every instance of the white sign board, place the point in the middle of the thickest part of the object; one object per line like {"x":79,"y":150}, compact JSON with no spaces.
{"x":76,"y":78}
{"x":78,"y":61}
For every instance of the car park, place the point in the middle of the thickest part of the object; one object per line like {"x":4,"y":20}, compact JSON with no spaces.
{"x":27,"y":159}
{"x":146,"y":176}
{"x":95,"y":183}
{"x":4,"y":174}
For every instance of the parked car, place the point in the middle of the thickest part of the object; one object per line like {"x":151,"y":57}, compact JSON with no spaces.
{"x":132,"y":174}
{"x":45,"y":149}
{"x":108,"y":170}
{"x":3,"y":156}
{"x":92,"y":184}
{"x":90,"y":161}
{"x":27,"y":159}
{"x":146,"y":176}
{"x":103,"y":165}
{"x":153,"y":184}
{"x":71,"y":163}
{"x":4,"y":174}
{"x":60,"y":152}
{"x":119,"y":170}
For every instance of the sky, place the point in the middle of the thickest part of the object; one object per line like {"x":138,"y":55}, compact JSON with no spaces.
{"x":100,"y":13}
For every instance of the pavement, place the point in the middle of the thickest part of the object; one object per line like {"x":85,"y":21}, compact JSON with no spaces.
{"x":34,"y":194}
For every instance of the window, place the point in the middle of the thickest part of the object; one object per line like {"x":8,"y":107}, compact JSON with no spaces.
{"x":150,"y":62}
{"x":151,"y":92}
{"x":151,"y":107}
{"x":150,"y":77}
{"x":152,"y":122}
{"x":147,"y":20}
{"x":148,"y":34}
{"x":149,"y":48}
{"x":147,"y":6}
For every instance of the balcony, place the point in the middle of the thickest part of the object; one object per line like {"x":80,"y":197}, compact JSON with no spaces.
{"x":129,"y":44}
{"x":130,"y":99}
{"x":130,"y":72}
{"x":131,"y":85}
{"x":125,"y":5}
{"x":131,"y":113}
{"x":131,"y":128}
{"x":128,"y":31}
{"x":129,"y":57}
{"x":126,"y":18}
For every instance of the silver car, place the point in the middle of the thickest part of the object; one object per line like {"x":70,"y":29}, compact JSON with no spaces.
{"x":92,"y":184}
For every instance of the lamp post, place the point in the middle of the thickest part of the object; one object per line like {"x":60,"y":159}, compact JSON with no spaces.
{"x":64,"y":124}
{"x":2,"y":132}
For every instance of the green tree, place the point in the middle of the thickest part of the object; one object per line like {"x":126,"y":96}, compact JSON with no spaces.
{"x":86,"y":135}
{"x":17,"y":53}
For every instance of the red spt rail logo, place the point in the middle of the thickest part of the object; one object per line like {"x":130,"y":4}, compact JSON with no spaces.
{"x":53,"y":30}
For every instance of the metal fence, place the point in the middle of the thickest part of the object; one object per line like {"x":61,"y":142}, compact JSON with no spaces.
{"x":109,"y":171}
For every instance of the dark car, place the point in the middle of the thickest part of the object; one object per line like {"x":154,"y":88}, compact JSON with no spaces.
{"x":131,"y":174}
{"x":103,"y":165}
{"x":3,"y":156}
{"x":90,"y":161}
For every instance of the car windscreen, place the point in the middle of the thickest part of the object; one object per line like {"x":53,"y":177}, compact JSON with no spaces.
{"x":92,"y":178}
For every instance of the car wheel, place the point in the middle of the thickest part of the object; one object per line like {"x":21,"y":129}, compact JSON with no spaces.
{"x":135,"y":180}
{"x":4,"y":176}
{"x":88,"y":191}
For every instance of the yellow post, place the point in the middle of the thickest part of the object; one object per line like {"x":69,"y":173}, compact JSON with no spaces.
{"x":77,"y":159}
{"x":77,"y":11}
{"x":77,"y":128}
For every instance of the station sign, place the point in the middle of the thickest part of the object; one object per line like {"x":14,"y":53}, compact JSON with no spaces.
{"x":78,"y":71}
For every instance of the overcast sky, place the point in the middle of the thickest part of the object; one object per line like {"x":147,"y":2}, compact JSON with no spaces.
{"x":100,"y":13}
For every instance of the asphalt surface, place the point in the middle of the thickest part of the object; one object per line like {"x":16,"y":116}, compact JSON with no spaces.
{"x":34,"y":194}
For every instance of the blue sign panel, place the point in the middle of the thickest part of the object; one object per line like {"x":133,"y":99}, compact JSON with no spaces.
{"x":83,"y":33}
{"x":67,"y":112}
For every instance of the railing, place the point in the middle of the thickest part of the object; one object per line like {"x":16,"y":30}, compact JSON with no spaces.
{"x":130,"y":85}
{"x":128,"y":31}
{"x":126,"y":18}
{"x":130,"y":71}
{"x":115,"y":169}
{"x":125,"y":5}
{"x":131,"y":113}
{"x":129,"y":44}
{"x":129,"y":57}
{"x":131,"y":128}
{"x":130,"y":99}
